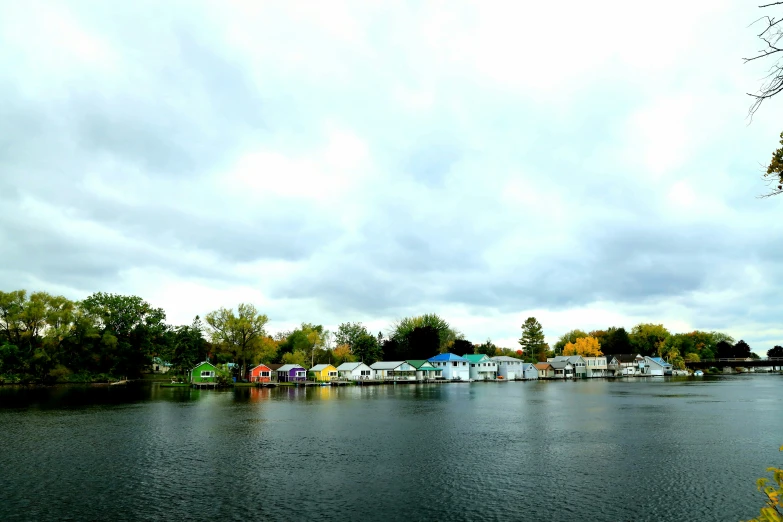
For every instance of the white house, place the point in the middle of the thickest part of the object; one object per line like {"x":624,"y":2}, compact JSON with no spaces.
{"x":577,"y":361}
{"x":612,"y":366}
{"x":511,"y":368}
{"x":425,"y":370}
{"x":630,"y":364}
{"x":354,"y":371}
{"x":596,"y":366}
{"x":656,"y":366}
{"x":454,"y":367}
{"x":393,"y":370}
{"x":562,"y":369}
{"x":482,"y":368}
{"x":160,"y":366}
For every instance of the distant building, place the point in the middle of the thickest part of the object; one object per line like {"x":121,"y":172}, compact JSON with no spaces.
{"x":393,"y":370}
{"x":354,"y":371}
{"x":545,"y":370}
{"x":324,"y":372}
{"x":291,"y":373}
{"x":204,"y":372}
{"x":260,"y":373}
{"x":512,"y":368}
{"x":454,"y":367}
{"x":425,"y":370}
{"x":577,"y":361}
{"x":482,"y":368}
{"x":160,"y":366}
{"x":657,"y":366}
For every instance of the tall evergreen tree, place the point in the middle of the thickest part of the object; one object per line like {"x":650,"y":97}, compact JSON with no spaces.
{"x":532,"y":340}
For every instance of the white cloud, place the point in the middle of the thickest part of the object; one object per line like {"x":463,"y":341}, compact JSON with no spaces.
{"x":356,"y":161}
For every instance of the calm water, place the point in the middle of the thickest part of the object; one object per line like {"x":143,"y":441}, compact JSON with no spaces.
{"x":588,"y":450}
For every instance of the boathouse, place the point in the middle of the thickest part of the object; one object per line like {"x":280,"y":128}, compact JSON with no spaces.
{"x":261,"y":373}
{"x":511,"y":368}
{"x":482,"y":368}
{"x":291,"y":373}
{"x":354,"y":371}
{"x":657,"y":366}
{"x":393,"y":370}
{"x":324,"y":372}
{"x":204,"y":372}
{"x":425,"y":370}
{"x":454,"y":367}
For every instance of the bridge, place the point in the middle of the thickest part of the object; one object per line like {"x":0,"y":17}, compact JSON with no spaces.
{"x":735,"y":363}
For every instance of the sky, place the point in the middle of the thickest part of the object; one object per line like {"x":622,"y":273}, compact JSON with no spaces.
{"x":590,"y":164}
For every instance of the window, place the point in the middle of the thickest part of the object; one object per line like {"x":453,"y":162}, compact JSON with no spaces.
{"x":207,"y":374}
{"x":472,"y":365}
{"x":365,"y":372}
{"x":454,"y":363}
{"x":264,"y":374}
{"x":332,"y":374}
{"x":300,"y":374}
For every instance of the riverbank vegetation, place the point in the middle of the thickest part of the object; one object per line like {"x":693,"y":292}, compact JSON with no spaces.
{"x":773,"y":491}
{"x":47,"y":339}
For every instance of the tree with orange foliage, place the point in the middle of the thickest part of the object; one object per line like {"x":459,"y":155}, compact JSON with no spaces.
{"x":343,"y":354}
{"x":584,"y":346}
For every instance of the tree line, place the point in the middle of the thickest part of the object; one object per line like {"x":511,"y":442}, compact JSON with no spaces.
{"x":48,"y":338}
{"x":656,"y":341}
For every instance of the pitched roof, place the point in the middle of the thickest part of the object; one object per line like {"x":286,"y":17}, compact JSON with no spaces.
{"x":321,"y":367}
{"x":202,"y":363}
{"x":569,"y":358}
{"x":625,"y":357}
{"x":260,"y":366}
{"x":505,"y":358}
{"x":350,"y":366}
{"x":559,"y":365}
{"x":441,"y":357}
{"x":274,"y":367}
{"x":417,"y":363}
{"x":288,"y":367}
{"x":476,"y":357}
{"x":543,"y":365}
{"x":658,"y":361}
{"x":386,"y":365}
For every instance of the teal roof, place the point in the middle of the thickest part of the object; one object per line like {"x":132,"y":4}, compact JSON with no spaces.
{"x":476,"y":357}
{"x":417,"y":363}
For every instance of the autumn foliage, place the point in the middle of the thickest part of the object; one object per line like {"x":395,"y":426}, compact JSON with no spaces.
{"x":584,"y":346}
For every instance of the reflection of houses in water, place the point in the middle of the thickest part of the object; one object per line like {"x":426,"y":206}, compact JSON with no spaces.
{"x":259,"y":394}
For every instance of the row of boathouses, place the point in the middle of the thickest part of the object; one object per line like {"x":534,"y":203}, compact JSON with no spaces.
{"x":451,"y":367}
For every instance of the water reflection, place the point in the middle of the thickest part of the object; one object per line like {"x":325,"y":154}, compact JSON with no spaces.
{"x":361,"y":453}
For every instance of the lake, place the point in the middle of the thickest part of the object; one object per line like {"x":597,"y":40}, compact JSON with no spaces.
{"x":634,"y":449}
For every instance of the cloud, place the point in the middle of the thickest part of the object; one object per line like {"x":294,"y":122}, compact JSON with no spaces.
{"x":366,"y":161}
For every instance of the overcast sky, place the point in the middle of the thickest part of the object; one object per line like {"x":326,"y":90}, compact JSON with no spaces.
{"x":586,"y":163}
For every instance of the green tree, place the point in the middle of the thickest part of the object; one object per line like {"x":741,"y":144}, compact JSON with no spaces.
{"x":488,"y":348}
{"x":532,"y":340}
{"x":367,"y":350}
{"x":296,"y":357}
{"x":348,"y":333}
{"x":130,"y":330}
{"x":568,"y":337}
{"x":402,"y":329}
{"x":646,"y":338}
{"x":777,"y":351}
{"x":238,"y":334}
{"x":187,"y":346}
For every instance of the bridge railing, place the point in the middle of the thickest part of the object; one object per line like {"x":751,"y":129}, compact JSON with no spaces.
{"x":744,"y":359}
